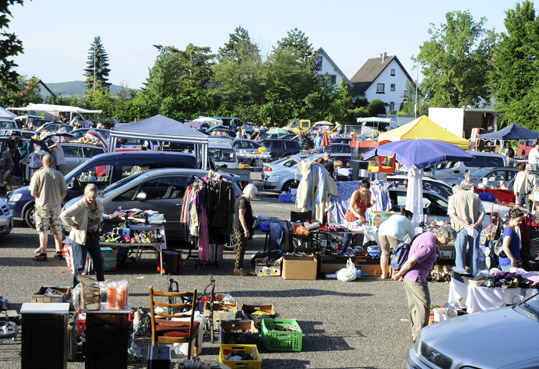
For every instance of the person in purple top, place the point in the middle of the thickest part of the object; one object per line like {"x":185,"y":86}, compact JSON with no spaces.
{"x":511,"y":241}
{"x":420,"y":261}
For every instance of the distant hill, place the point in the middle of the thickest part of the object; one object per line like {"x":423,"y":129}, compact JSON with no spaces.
{"x":72,"y":88}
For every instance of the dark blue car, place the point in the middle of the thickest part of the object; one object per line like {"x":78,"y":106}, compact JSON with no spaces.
{"x":101,"y":170}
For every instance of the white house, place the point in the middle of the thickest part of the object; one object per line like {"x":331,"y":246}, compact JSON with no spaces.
{"x":382,"y":78}
{"x":326,"y":66}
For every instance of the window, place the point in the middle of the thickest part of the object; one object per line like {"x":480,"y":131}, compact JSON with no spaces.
{"x":164,"y":188}
{"x":392,"y":72}
{"x":318,"y":64}
{"x":380,"y":88}
{"x":392,"y":87}
{"x":100,"y":175}
{"x":391,"y":106}
{"x":332,"y":79}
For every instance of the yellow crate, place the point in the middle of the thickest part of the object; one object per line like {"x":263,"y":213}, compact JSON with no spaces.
{"x":240,"y":364}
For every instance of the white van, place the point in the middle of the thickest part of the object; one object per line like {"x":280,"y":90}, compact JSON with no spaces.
{"x":223,"y":154}
{"x":452,"y":169}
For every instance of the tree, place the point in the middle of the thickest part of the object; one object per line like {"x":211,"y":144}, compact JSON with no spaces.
{"x":296,"y":40}
{"x":10,"y":46}
{"x":97,"y":67}
{"x":408,"y":105}
{"x":513,"y":80}
{"x":24,"y":91}
{"x":456,"y":61}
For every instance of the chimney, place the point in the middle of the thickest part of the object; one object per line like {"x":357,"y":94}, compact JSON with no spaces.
{"x":383,"y":56}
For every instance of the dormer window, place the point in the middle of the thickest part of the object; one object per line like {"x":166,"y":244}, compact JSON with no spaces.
{"x":393,"y":72}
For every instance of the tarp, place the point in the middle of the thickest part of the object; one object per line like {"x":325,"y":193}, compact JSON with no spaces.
{"x":161,"y":128}
{"x":512,"y":132}
{"x":4,"y":114}
{"x":56,"y":108}
{"x":423,"y":127}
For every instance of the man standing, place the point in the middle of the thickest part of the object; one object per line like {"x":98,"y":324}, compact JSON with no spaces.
{"x":328,"y":164}
{"x":533,"y":157}
{"x":466,"y":212}
{"x":49,"y":188}
{"x":524,"y":185}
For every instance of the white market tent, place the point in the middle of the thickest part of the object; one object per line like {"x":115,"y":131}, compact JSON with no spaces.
{"x":160,"y":128}
{"x":56,"y":108}
{"x":4,"y":114}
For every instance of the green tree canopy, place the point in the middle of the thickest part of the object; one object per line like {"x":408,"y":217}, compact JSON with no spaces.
{"x":97,"y":66}
{"x":513,"y":80}
{"x":10,"y":46}
{"x":298,"y":41}
{"x":456,"y":61}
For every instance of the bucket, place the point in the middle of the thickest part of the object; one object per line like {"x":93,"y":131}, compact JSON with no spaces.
{"x":182,"y":348}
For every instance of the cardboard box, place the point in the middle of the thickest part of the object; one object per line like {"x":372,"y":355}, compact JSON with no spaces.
{"x":264,"y":270}
{"x":61,"y":294}
{"x":329,"y":264}
{"x":299,"y":267}
{"x":373,"y":270}
{"x":239,"y":331}
{"x":221,"y":311}
{"x":250,"y":311}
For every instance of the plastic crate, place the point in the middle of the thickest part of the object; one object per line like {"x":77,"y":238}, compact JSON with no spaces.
{"x":279,"y":340}
{"x":240,"y":364}
{"x":287,"y":197}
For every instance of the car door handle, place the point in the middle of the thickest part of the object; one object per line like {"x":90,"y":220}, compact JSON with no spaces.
{"x":456,"y":171}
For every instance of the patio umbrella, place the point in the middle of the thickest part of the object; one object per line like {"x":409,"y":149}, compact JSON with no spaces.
{"x":323,"y":123}
{"x":277,"y":131}
{"x":325,"y":139}
{"x":416,"y":155}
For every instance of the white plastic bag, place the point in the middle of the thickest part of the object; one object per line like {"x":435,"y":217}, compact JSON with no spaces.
{"x":349,"y":273}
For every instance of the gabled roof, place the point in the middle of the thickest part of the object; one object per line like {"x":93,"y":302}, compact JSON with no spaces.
{"x":323,"y":52}
{"x":370,"y":71}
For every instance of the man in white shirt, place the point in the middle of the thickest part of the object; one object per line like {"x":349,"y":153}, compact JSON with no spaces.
{"x":524,"y":185}
{"x":533,"y":157}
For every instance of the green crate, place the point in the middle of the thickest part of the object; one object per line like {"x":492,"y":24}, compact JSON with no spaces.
{"x":275,"y":339}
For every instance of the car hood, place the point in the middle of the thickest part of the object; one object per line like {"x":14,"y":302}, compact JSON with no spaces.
{"x":494,"y":339}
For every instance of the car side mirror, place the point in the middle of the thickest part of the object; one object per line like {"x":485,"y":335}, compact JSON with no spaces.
{"x":141,"y":196}
{"x":70,"y":184}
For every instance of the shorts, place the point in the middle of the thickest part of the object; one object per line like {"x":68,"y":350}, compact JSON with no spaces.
{"x":48,"y":221}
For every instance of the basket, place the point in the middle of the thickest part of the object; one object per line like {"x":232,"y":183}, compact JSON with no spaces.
{"x":275,"y":338}
{"x":240,"y":364}
{"x":90,"y":292}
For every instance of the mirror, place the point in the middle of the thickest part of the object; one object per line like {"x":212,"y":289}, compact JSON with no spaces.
{"x":141,"y":196}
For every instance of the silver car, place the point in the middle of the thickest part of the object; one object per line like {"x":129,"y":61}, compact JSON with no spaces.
{"x":75,"y":153}
{"x":161,"y":190}
{"x":502,"y":338}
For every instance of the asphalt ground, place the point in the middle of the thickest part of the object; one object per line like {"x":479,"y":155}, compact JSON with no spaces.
{"x":359,"y":324}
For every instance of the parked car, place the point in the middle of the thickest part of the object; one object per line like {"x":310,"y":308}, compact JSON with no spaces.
{"x":429,"y":184}
{"x":499,"y":338}
{"x":221,"y":130}
{"x":81,"y":132}
{"x":284,"y":162}
{"x":343,"y":140}
{"x":54,"y":127}
{"x":224,"y":156}
{"x":279,"y":148}
{"x":245,"y":145}
{"x":434,"y":205}
{"x":493,"y":175}
{"x":335,"y":147}
{"x":6,"y":123}
{"x":284,"y":179}
{"x":102,"y":170}
{"x":452,"y":169}
{"x":76,"y":154}
{"x":161,"y":190}
{"x":6,"y":218}
{"x":17,"y":132}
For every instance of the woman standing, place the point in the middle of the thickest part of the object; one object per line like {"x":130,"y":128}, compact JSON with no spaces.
{"x":391,"y":233}
{"x":243,"y":225}
{"x":360,"y":201}
{"x":84,"y":218}
{"x":511,"y":240}
{"x":421,"y":258}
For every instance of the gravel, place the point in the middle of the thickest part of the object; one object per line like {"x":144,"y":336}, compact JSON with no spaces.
{"x":359,"y":324}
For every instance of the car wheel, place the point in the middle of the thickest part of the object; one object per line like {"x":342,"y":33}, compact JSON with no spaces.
{"x":29,"y":216}
{"x":288,"y":185}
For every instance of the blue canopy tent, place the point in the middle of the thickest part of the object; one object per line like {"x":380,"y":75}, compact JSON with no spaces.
{"x":160,"y":128}
{"x":512,"y":132}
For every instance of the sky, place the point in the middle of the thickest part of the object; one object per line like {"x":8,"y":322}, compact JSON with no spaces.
{"x":57,"y":34}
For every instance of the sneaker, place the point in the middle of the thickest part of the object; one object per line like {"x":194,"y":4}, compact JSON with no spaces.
{"x":41,"y":257}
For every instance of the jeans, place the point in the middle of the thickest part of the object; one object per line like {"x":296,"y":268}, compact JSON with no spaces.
{"x":525,"y":200}
{"x":463,"y":242}
{"x":79,"y":257}
{"x":347,"y":239}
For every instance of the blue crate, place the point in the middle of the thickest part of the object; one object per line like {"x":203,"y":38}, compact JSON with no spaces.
{"x":287,"y":197}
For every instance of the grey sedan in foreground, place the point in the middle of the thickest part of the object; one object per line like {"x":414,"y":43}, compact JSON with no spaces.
{"x":502,"y":338}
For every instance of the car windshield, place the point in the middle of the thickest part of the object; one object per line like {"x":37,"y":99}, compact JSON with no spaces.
{"x":533,"y":304}
{"x":480,"y":173}
{"x":120,"y":183}
{"x":222,"y":154}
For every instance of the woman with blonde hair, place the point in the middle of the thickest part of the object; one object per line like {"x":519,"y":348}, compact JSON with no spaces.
{"x":243,"y":225}
{"x":84,"y":218}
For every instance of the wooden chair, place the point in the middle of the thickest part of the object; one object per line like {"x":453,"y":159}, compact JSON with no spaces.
{"x":174,"y":331}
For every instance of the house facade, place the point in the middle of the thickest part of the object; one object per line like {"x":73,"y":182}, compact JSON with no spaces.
{"x":326,"y":66}
{"x":382,"y":78}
